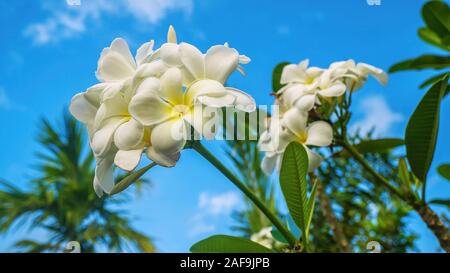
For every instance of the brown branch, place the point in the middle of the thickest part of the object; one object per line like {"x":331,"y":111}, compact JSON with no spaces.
{"x":333,"y":222}
{"x":435,"y":224}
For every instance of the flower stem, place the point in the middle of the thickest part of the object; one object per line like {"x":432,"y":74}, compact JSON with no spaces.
{"x":378,"y":178}
{"x":197,"y":146}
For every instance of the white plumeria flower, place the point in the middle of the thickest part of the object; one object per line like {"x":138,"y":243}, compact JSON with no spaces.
{"x":214,"y":67}
{"x":293,"y":127}
{"x":173,"y":111}
{"x":116,"y":65}
{"x":301,"y":85}
{"x":355,"y":75}
{"x":103,"y":107}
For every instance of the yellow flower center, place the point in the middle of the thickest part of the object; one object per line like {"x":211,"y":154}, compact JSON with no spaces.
{"x":302,"y":137}
{"x":181,"y":110}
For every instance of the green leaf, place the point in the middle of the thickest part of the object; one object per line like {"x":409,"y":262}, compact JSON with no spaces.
{"x":436,"y":15}
{"x":403,"y":172}
{"x":421,"y":131}
{"x":433,"y":80}
{"x":375,"y":146}
{"x":310,"y":207}
{"x":276,"y":76}
{"x":422,"y":62}
{"x":432,"y":38}
{"x":444,"y":171}
{"x":130,"y":179}
{"x":443,"y":202}
{"x":228,"y":244}
{"x":294,"y":169}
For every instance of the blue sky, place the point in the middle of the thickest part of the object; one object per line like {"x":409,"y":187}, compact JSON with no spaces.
{"x":50,"y":51}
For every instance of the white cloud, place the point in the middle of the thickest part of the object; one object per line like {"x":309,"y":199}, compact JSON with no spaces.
{"x":210,"y":207}
{"x":66,"y":21}
{"x":376,"y":115}
{"x":221,"y":204}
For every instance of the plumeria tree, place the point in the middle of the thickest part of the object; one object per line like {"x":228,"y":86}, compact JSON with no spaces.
{"x":174,"y":97}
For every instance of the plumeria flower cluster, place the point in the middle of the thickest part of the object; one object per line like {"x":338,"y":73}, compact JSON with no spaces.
{"x":303,"y":89}
{"x":148,"y":103}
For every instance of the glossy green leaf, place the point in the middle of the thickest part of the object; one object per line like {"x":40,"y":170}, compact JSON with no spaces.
{"x":276,"y":76}
{"x":422,"y":129}
{"x":444,"y":171}
{"x":433,"y":80}
{"x":130,"y":179}
{"x":429,"y":36}
{"x":375,"y":146}
{"x":442,"y":202}
{"x":422,"y":62}
{"x":436,"y":15}
{"x":228,"y":244}
{"x":310,"y":207}
{"x":294,"y":169}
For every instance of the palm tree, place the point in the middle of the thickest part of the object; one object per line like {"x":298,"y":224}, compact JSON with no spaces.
{"x":62,"y":202}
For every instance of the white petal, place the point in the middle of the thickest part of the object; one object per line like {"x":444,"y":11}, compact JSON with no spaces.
{"x":171,"y":35}
{"x":128,"y":160}
{"x":320,"y":133}
{"x":170,"y":54}
{"x":113,"y":107}
{"x":269,"y":163}
{"x":303,"y":65}
{"x":220,"y":62}
{"x":112,"y":89}
{"x":116,"y":62}
{"x":314,"y":72}
{"x":104,"y":170}
{"x":295,"y":120}
{"x":336,"y":90}
{"x":192,"y":60}
{"x":149,"y":85}
{"x":129,"y":135}
{"x":82,"y":109}
{"x":153,"y":69}
{"x":209,"y":88}
{"x":120,"y":46}
{"x":102,"y":139}
{"x":244,"y":102}
{"x":306,"y":102}
{"x":169,"y":137}
{"x":94,"y":93}
{"x":314,"y":160}
{"x":149,"y":109}
{"x":292,"y":73}
{"x":291,"y":93}
{"x":161,"y":158}
{"x":217,"y":102}
{"x":377,"y":73}
{"x":171,"y":86}
{"x":144,"y":52}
